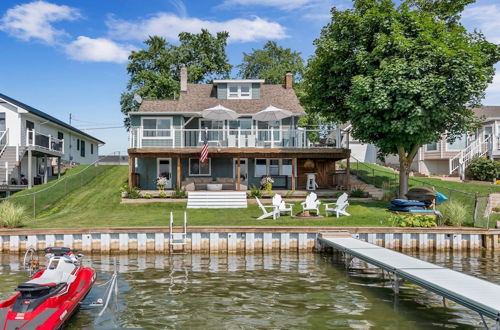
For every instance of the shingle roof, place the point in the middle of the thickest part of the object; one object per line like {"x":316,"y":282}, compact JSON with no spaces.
{"x":203,"y":96}
{"x":488,"y":111}
{"x":46,"y":116}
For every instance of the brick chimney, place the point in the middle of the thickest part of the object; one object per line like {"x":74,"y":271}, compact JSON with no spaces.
{"x":184,"y":79}
{"x":288,"y":80}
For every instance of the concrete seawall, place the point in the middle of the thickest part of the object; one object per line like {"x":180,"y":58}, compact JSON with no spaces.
{"x":242,"y":239}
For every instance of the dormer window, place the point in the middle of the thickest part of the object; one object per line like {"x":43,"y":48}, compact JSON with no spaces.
{"x":239,"y":91}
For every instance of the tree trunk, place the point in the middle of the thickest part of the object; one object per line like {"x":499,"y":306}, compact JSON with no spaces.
{"x":405,"y":160}
{"x":404,"y":173}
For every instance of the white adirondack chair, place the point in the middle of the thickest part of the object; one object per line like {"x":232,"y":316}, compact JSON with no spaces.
{"x":311,"y":204}
{"x":275,"y":213}
{"x":339,"y":207}
{"x":282,"y":206}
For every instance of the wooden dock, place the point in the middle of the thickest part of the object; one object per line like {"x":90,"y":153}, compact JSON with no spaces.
{"x":476,"y":294}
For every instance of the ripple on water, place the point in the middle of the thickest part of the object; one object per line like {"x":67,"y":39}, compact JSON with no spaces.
{"x":262,"y":292}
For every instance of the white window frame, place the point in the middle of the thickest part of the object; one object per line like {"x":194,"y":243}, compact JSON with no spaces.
{"x":169,"y":181}
{"x":239,"y":96}
{"x":466,"y":136}
{"x":221,"y":130}
{"x":170,"y":137}
{"x":209,"y":167}
{"x":268,"y":160}
{"x":269,"y":141}
{"x":246,"y":131}
{"x":437,"y":147}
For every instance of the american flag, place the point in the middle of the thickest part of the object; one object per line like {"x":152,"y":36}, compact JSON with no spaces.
{"x":204,"y":150}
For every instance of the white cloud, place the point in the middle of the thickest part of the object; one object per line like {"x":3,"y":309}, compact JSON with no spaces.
{"x":486,"y":18}
{"x":34,"y":20}
{"x":169,"y":26}
{"x":98,"y":50}
{"x":281,"y":4}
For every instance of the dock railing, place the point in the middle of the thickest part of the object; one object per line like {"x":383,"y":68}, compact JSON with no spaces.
{"x":476,"y":204}
{"x":41,"y":198}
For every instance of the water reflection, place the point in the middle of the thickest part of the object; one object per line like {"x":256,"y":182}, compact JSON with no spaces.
{"x":264,"y":291}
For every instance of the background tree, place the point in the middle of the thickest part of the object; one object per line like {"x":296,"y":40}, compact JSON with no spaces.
{"x":154,"y":71}
{"x":271,"y":63}
{"x":404,"y":76}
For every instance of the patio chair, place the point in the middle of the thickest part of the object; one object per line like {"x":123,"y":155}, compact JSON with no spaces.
{"x":282,"y":206}
{"x":275,"y":213}
{"x":231,"y":141}
{"x":339,"y":207}
{"x":311,"y":204}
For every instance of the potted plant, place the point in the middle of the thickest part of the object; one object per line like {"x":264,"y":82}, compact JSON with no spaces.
{"x":124,"y":190}
{"x":266,"y":183}
{"x":161,"y":182}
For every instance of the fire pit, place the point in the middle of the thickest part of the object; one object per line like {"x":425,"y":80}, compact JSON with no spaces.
{"x":307,"y":215}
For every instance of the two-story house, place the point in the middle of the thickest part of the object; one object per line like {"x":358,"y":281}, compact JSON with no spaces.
{"x":166,"y":138}
{"x":445,"y":158}
{"x":33,"y":144}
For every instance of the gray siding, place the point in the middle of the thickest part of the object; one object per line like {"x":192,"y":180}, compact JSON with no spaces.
{"x":255,"y":91}
{"x":222,"y":91}
{"x":135,"y":120}
{"x":146,"y":167}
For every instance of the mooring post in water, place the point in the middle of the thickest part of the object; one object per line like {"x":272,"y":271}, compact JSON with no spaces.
{"x":396,"y":282}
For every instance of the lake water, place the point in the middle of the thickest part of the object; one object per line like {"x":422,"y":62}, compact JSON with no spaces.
{"x":285,"y":291}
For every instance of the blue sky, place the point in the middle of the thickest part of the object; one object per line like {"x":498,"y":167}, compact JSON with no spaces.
{"x":70,"y":56}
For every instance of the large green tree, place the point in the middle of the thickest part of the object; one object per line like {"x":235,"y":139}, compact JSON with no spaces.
{"x":404,"y":75}
{"x":271,"y":63}
{"x":155,"y":71}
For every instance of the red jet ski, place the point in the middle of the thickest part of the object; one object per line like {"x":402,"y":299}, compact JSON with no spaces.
{"x":51,"y":296}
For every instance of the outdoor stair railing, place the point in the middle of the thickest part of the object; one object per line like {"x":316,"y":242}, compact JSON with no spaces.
{"x":475,"y":149}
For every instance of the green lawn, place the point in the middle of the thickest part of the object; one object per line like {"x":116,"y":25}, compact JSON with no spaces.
{"x":42,"y":199}
{"x":377,"y":175}
{"x":463,"y":192}
{"x":98,"y":205}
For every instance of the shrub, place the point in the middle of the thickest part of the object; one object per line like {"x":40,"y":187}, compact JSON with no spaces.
{"x":454,"y":213}
{"x":358,"y":192}
{"x":483,"y":169}
{"x":255,"y":192}
{"x":425,"y":221}
{"x":12,"y":215}
{"x":496,"y":209}
{"x":162,"y":194}
{"x":147,"y":196}
{"x":133,"y":193}
{"x":338,"y":194}
{"x":179,"y":192}
{"x":289,"y":193}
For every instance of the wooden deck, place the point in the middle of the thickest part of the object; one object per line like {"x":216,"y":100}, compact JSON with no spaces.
{"x":323,"y":153}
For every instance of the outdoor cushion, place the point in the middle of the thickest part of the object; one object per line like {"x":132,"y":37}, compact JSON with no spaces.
{"x":404,"y":202}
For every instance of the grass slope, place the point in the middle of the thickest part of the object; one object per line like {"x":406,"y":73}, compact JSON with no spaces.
{"x":98,"y":205}
{"x":459,"y":191}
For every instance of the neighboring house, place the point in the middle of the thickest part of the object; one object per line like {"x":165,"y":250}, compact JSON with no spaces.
{"x":444,"y":158}
{"x":33,"y":144}
{"x":166,"y":138}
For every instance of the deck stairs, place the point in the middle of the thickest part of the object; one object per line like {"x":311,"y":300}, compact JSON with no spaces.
{"x":217,"y":199}
{"x":477,"y":148}
{"x":8,"y":162}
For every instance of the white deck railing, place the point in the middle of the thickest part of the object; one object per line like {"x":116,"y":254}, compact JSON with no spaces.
{"x":140,"y":137}
{"x":36,"y":139}
{"x":4,"y":140}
